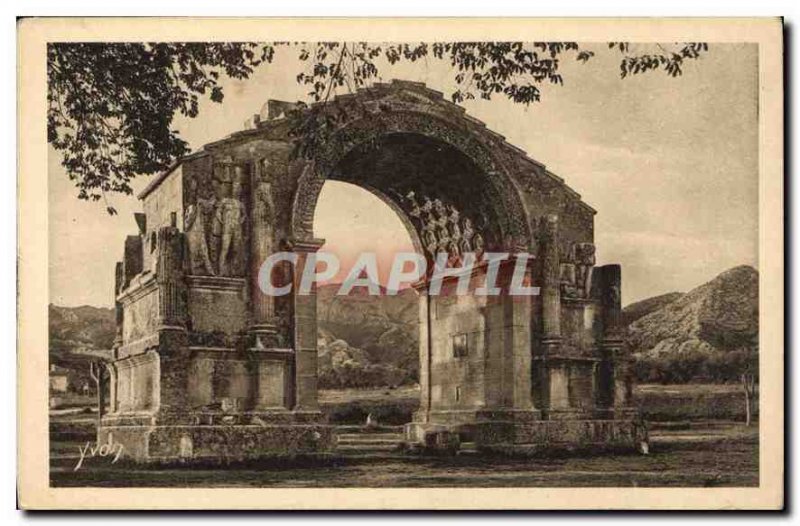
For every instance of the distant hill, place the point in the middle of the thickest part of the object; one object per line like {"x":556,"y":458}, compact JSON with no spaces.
{"x":710,"y":327}
{"x":72,"y":327}
{"x":722,"y":313}
{"x":367,"y":340}
{"x":636,"y":310}
{"x":78,"y":335}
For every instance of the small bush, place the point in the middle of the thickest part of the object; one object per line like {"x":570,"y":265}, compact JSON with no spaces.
{"x":695,"y":366}
{"x":393,"y":413}
{"x":701,"y":402}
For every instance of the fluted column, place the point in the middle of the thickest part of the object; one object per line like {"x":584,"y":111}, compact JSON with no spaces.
{"x":551,"y":373}
{"x":170,"y":279}
{"x":172,"y":354}
{"x":262,"y":243}
{"x":551,"y":294}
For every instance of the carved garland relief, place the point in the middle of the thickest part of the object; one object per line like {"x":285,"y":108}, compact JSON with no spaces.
{"x":443,"y":229}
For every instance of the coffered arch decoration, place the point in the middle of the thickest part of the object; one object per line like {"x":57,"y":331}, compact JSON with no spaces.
{"x":379,"y":125}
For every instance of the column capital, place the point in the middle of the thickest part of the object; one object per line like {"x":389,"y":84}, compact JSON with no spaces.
{"x":307,"y":245}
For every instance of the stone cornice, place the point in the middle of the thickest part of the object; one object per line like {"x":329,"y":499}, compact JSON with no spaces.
{"x":138,"y":347}
{"x":140,"y":286}
{"x":304,"y":245}
{"x":132,"y":360}
{"x":216,"y":283}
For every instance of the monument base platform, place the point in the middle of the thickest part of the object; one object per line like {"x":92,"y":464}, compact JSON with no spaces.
{"x":531,"y":436}
{"x":255,"y":437}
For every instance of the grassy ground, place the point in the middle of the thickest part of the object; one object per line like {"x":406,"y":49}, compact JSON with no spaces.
{"x":658,"y":403}
{"x":728,"y":457}
{"x":692,"y":445}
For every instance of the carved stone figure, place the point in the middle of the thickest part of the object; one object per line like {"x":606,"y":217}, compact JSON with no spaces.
{"x":568,"y":280}
{"x":194,"y":224}
{"x":584,"y":261}
{"x":264,"y":209}
{"x":209,"y":208}
{"x":229,"y":222}
{"x":223,"y":171}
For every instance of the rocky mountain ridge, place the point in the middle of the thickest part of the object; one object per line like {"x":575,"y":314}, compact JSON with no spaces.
{"x":719,"y":315}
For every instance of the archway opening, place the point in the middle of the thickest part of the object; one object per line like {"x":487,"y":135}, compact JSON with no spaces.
{"x":368,"y":345}
{"x":430,"y":352}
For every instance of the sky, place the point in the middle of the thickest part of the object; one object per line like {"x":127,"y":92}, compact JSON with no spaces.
{"x":670,"y":165}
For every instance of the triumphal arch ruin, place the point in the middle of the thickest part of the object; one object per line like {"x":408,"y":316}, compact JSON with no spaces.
{"x":207,"y":366}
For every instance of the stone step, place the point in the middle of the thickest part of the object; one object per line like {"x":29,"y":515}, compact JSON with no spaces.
{"x":377,"y":442}
{"x":467,"y":449}
{"x":373,"y":455}
{"x":368,"y":441}
{"x":360,"y":448}
{"x":370,"y":436}
{"x":363,"y":430}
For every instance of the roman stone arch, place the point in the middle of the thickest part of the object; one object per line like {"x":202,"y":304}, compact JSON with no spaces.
{"x":233,"y":371}
{"x":394,"y":149}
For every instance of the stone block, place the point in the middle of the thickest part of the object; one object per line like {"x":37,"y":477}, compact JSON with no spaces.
{"x":441,"y":441}
{"x":218,"y":443}
{"x":272,"y":377}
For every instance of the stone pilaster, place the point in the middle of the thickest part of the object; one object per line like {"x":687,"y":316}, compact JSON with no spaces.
{"x":615,"y":375}
{"x":133,"y":259}
{"x":518,"y":313}
{"x":305,"y":329}
{"x":112,"y":387}
{"x":119,"y":317}
{"x":611,"y":286}
{"x":424,"y":318}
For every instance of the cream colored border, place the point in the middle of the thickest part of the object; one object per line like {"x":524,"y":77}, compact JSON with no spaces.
{"x":34,"y":492}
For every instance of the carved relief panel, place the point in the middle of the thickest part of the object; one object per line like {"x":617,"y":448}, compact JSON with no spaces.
{"x":215,"y":218}
{"x":577,"y":262}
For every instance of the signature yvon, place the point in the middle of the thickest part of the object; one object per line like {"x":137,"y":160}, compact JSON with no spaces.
{"x":99,"y":450}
